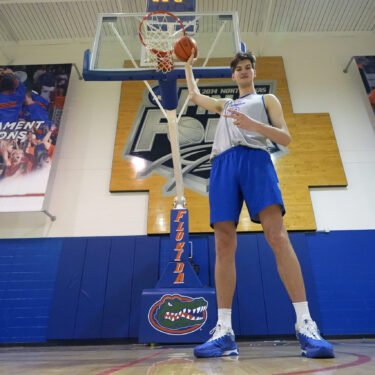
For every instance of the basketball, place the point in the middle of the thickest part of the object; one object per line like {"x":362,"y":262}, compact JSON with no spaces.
{"x":183,"y":47}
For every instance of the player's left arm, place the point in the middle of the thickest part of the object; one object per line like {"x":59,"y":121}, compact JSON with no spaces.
{"x":276,"y":115}
{"x":277,"y":132}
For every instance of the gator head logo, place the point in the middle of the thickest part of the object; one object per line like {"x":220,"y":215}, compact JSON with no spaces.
{"x":178,"y":315}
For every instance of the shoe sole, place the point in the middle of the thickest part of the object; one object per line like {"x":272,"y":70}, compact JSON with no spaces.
{"x":318,"y":353}
{"x":218,"y":354}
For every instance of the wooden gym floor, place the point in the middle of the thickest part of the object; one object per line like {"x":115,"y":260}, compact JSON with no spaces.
{"x":256,"y":357}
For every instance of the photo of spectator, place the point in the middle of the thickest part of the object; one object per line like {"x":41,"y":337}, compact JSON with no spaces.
{"x":31,"y":101}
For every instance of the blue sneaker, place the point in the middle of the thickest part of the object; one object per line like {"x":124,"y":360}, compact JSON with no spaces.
{"x":220,"y":344}
{"x":312,"y":344}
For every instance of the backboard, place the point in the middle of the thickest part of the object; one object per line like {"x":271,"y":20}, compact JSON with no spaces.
{"x":118,"y":54}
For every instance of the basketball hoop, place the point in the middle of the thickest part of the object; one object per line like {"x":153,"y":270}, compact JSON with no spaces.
{"x":158,"y":32}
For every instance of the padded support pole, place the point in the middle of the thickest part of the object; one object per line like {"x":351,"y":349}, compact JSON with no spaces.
{"x":168,"y":90}
{"x":173,"y":137}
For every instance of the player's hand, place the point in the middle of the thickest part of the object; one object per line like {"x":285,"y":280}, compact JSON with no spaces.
{"x":242,"y":121}
{"x":191,"y":58}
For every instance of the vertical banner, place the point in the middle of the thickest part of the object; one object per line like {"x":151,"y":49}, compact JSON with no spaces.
{"x":366,"y":67}
{"x":31,"y":105}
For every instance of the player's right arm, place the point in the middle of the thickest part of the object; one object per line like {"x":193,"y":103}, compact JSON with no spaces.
{"x":211,"y":104}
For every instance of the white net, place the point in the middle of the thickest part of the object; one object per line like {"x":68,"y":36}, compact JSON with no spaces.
{"x":158,"y":33}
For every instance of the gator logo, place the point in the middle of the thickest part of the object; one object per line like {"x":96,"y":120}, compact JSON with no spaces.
{"x":178,"y":315}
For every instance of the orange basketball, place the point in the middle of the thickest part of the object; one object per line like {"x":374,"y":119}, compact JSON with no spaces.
{"x":183,"y":47}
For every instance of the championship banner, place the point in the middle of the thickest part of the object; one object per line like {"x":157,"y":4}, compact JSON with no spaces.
{"x":31,"y":105}
{"x":366,"y":67}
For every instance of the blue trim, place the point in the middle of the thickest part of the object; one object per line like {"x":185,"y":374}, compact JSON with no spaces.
{"x":252,"y":93}
{"x":265,"y":108}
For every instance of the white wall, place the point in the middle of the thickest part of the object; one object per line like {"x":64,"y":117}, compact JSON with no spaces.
{"x":79,"y":191}
{"x":314,"y":68}
{"x":80,"y":197}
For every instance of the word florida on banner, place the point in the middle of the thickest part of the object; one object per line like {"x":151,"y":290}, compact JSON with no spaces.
{"x":32,"y":99}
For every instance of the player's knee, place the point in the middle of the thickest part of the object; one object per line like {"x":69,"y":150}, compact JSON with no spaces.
{"x":225,"y":240}
{"x":225,"y":247}
{"x":276,"y":237}
{"x":225,"y":255}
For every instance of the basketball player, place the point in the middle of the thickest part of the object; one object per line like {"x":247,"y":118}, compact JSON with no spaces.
{"x":12,"y":94}
{"x":242,"y":170}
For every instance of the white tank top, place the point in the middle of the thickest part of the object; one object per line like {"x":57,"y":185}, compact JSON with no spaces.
{"x":228,"y":135}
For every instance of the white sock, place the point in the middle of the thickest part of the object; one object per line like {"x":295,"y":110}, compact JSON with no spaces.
{"x":302,"y":312}
{"x":225,"y":318}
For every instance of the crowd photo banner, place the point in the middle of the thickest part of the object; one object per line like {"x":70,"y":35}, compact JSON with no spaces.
{"x":366,"y":67}
{"x":31,"y":105}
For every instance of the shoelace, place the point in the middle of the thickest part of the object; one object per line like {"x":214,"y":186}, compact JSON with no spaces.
{"x":310,"y":329}
{"x":217,"y":332}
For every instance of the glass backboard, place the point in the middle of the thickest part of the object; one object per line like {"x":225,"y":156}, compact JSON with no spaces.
{"x":117,"y":49}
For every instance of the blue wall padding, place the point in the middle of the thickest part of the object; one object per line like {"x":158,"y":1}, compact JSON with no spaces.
{"x":235,"y":311}
{"x":252,"y":312}
{"x":279,"y":310}
{"x":236,"y":322}
{"x":67,"y":289}
{"x":99,"y":286}
{"x":93,"y":288}
{"x":201,"y":258}
{"x":302,"y":251}
{"x":27,"y":277}
{"x":116,"y":313}
{"x":146,"y":274}
{"x":343,"y":264}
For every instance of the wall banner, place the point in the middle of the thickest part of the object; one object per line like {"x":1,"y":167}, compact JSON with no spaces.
{"x":31,"y":105}
{"x":366,"y":67}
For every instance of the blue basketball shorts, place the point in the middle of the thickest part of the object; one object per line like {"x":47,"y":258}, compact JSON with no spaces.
{"x":242,"y":174}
